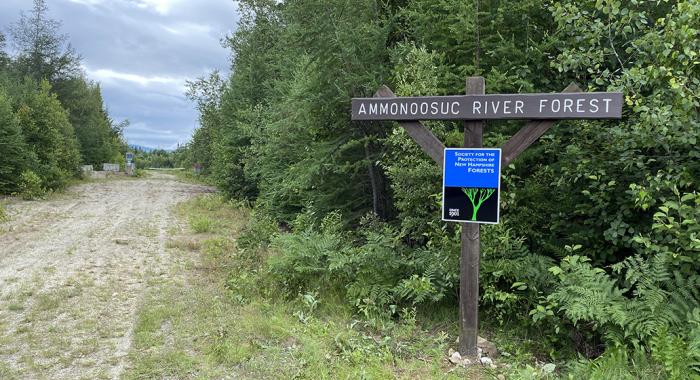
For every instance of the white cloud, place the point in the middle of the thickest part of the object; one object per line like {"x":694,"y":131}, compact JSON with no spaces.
{"x":87,"y":2}
{"x":163,"y":7}
{"x":109,"y":75}
{"x":187,"y":28}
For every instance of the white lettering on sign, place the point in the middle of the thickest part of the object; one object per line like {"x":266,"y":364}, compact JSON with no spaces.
{"x":476,"y":161}
{"x":508,"y":107}
{"x":446,"y":108}
{"x":594,"y":105}
{"x":473,"y":107}
{"x":495,"y":106}
{"x":412,"y":109}
{"x":558,"y":105}
{"x":567,"y":105}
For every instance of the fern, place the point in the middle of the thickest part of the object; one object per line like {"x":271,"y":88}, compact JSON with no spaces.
{"x":619,"y":364}
{"x":587,"y":293}
{"x":694,"y":340}
{"x":653,"y":310}
{"x":671,"y":351}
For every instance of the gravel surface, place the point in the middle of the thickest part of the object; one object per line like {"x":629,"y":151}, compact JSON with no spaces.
{"x":73,"y":271}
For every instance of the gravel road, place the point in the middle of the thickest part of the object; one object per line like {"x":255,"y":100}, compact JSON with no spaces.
{"x":73,"y":270}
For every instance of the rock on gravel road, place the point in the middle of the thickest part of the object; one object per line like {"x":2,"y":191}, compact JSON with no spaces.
{"x":73,"y":270}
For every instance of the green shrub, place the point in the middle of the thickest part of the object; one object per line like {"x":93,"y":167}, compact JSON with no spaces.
{"x":201,"y":224}
{"x":380,"y":275}
{"x":30,"y":186}
{"x":260,"y":231}
{"x":511,"y":277}
{"x":302,"y":259}
{"x":54,"y":178}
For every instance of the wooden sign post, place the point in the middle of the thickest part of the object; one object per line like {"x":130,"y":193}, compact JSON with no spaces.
{"x":474,"y":108}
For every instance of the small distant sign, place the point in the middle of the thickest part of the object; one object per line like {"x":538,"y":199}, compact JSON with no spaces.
{"x":110,"y":167}
{"x":129,"y":157}
{"x":471,"y":185}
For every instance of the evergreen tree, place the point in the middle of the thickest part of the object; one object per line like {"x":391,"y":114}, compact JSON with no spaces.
{"x":4,"y":58}
{"x":83,"y":101}
{"x":15,"y":156}
{"x":43,"y":52}
{"x":50,"y":136}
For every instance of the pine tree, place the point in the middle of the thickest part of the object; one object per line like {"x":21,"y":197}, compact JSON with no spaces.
{"x":14,"y":156}
{"x":4,"y":59}
{"x":87,"y":114}
{"x":44,"y":53}
{"x":50,"y":136}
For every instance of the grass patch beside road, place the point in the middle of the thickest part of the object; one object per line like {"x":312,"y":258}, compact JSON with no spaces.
{"x":224,"y":319}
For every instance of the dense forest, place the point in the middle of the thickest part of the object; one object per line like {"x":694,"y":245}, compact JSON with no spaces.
{"x":597,"y":255}
{"x":52,"y":118}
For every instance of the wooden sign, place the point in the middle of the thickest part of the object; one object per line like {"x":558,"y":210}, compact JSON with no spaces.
{"x":580,"y":105}
{"x":473,"y":109}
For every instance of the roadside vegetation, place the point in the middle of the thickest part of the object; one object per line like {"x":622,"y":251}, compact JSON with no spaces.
{"x":52,"y":118}
{"x":229,"y":315}
{"x":3,"y":213}
{"x":595,"y":266}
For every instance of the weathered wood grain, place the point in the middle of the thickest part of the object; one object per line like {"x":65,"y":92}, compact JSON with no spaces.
{"x":471,"y":247}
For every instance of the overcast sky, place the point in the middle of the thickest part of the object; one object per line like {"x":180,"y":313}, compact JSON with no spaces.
{"x":142,"y":52}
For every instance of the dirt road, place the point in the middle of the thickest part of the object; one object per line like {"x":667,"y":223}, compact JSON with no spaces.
{"x":73,"y":270}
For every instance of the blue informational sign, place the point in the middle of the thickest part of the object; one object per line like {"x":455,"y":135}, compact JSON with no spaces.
{"x":471,"y":187}
{"x":129,"y":157}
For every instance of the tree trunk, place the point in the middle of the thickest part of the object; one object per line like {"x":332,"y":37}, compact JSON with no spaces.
{"x":381,"y":201}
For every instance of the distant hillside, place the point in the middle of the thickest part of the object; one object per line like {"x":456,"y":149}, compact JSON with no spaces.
{"x":141,"y":148}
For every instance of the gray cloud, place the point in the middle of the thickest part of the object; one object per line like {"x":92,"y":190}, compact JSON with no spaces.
{"x":142,"y":52}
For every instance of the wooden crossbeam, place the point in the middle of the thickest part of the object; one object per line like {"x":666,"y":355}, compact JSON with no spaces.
{"x":517,"y":144}
{"x":528,"y":134}
{"x":422,"y":135}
